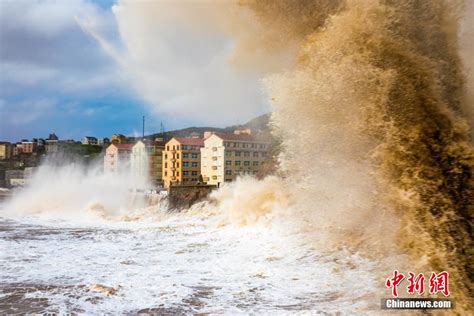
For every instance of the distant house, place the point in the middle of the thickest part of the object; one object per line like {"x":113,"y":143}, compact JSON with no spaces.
{"x":89,"y":140}
{"x":119,"y":138}
{"x":51,"y":146}
{"x":28,"y":146}
{"x":117,"y":158}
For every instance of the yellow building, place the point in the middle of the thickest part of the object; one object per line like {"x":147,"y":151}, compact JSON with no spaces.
{"x":6,"y":150}
{"x":182,"y":161}
{"x":119,"y":138}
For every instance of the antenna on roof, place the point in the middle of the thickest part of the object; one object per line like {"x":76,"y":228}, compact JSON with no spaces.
{"x":162,"y":128}
{"x":143,"y":128}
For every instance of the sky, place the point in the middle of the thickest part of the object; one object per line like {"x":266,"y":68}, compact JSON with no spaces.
{"x":95,"y":67}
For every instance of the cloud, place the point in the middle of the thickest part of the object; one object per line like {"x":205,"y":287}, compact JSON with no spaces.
{"x":43,"y":47}
{"x":180,"y":65}
{"x":54,"y":76}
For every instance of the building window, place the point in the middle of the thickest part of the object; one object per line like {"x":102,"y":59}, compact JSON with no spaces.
{"x":194,"y":156}
{"x":237,"y":162}
{"x":194,"y":164}
{"x":177,"y":156}
{"x":264,"y":154}
{"x":214,"y":158}
{"x":228,"y":172}
{"x":254,"y":145}
{"x":185,"y":173}
{"x":228,"y":153}
{"x":166,"y":173}
{"x":166,"y":165}
{"x":168,"y":147}
{"x":214,"y":177}
{"x":194,"y":173}
{"x":185,"y":155}
{"x":177,"y":173}
{"x":214,"y":148}
{"x":228,"y":162}
{"x":246,"y":163}
{"x":185,"y":164}
{"x":255,"y":154}
{"x":185,"y":147}
{"x":234,"y":145}
{"x":214,"y":167}
{"x":246,"y":153}
{"x":237,"y":154}
{"x":244,"y":145}
{"x":255,"y":172}
{"x":255,"y":163}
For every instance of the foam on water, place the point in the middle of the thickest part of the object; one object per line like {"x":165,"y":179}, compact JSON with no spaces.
{"x":181,"y":264}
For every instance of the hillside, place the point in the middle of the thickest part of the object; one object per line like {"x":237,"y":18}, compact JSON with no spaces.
{"x":260,"y":123}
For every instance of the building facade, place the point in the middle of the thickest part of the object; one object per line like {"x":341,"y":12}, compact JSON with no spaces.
{"x":90,"y":140}
{"x":139,"y":160}
{"x":182,"y":161}
{"x":28,"y":147}
{"x":146,"y":161}
{"x":51,"y":146}
{"x":6,"y":150}
{"x":226,"y":156}
{"x":117,"y":158}
{"x":119,"y":138}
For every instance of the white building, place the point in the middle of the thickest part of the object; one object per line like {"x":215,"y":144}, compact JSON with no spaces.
{"x":117,"y":158}
{"x":139,"y":160}
{"x":226,"y":156}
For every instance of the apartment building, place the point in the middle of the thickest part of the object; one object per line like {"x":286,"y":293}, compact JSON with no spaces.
{"x":146,"y":160}
{"x":226,"y":156}
{"x":28,"y":146}
{"x":182,"y":161}
{"x":117,"y":158}
{"x":6,"y":150}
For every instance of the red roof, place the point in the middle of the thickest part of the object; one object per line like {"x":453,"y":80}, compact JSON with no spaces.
{"x":190,"y":141}
{"x":122,"y":146}
{"x":243,"y":137}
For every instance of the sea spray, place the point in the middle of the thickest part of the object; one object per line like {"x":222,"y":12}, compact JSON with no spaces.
{"x":77,"y":192}
{"x":374,"y":130}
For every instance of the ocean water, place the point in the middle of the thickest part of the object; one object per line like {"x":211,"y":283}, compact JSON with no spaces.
{"x":181,"y":264}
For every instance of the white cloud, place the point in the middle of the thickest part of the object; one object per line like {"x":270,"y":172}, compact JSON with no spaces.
{"x":43,"y":47}
{"x":180,"y":65}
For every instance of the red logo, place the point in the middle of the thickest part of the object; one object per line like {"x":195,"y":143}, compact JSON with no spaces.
{"x":416,"y":283}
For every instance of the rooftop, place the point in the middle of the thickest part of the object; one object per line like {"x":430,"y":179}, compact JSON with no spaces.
{"x":243,"y":137}
{"x":190,"y":141}
{"x":122,"y":146}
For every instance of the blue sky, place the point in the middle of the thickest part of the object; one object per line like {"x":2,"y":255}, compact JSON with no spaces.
{"x":75,"y":68}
